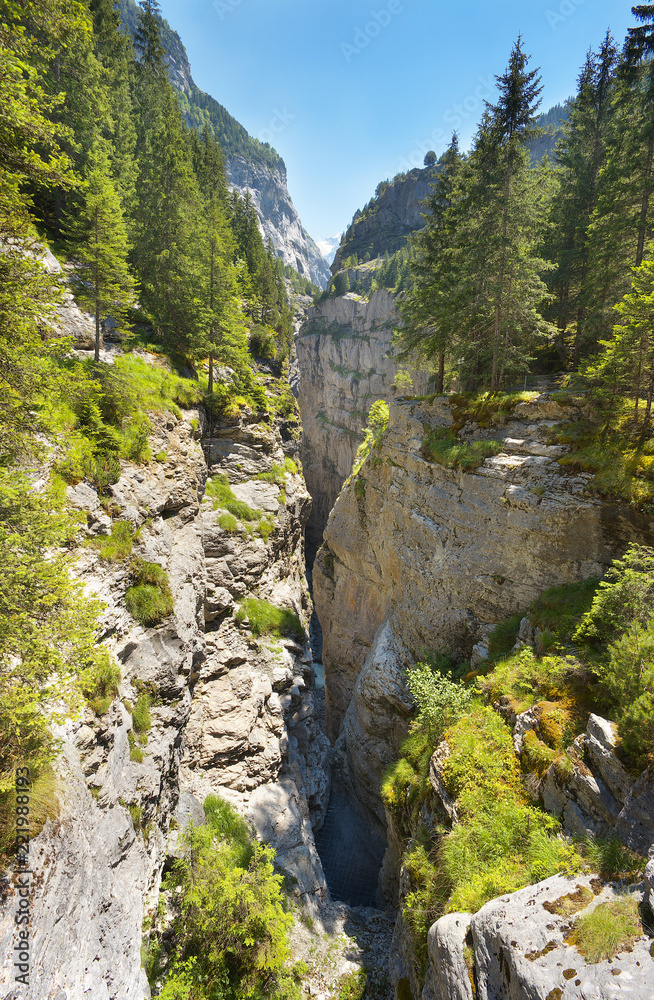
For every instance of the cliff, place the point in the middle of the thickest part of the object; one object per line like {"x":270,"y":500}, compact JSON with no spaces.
{"x":458,"y":551}
{"x":345,"y":363}
{"x":422,"y":558}
{"x":228,"y":712}
{"x":388,"y":219}
{"x":251,"y":165}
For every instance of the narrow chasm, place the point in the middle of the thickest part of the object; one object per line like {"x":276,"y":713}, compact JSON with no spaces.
{"x":350,"y":853}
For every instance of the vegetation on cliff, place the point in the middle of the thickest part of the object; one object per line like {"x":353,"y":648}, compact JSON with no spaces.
{"x":481,"y":834}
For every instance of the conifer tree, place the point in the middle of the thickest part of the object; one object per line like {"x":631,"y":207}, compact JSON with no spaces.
{"x":98,"y":238}
{"x":429,"y":313}
{"x":580,"y":156}
{"x":511,"y":126}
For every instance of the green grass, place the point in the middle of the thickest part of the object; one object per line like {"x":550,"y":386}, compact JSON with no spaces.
{"x":118,"y":545}
{"x":141,"y":717}
{"x":607,"y":930}
{"x":150,"y":598}
{"x":228,"y":523}
{"x":618,"y":454}
{"x":99,"y":682}
{"x":265,"y":619}
{"x":503,"y":637}
{"x":135,"y":752}
{"x":484,"y":408}
{"x":220,"y":491}
{"x":442,"y":447}
{"x":609,"y":857}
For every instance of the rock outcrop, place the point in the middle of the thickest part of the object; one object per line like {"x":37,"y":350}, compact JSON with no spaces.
{"x":522,"y":946}
{"x":345,"y":364}
{"x":388,"y":219}
{"x":427,"y":556}
{"x":252,"y":166}
{"x":229,"y":712}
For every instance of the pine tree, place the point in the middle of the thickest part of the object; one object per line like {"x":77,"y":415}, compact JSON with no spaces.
{"x":580,"y":156}
{"x":511,"y":125}
{"x":98,"y":238}
{"x":429,"y":312}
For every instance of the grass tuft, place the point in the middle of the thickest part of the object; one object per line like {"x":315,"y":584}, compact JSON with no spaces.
{"x":609,"y":929}
{"x":265,"y":619}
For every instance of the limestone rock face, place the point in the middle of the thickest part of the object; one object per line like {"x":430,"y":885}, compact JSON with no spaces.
{"x":448,"y":977}
{"x":278,"y":216}
{"x":431,"y":555}
{"x":230,"y":713}
{"x":344,"y":366}
{"x":522,"y":949}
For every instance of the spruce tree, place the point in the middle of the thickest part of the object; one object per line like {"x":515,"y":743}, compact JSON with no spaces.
{"x":580,"y":156}
{"x":98,"y":239}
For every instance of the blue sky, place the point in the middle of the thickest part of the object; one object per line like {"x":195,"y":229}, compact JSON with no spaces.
{"x":352,"y":91}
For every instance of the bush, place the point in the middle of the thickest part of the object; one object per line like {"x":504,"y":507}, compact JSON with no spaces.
{"x":440,"y":701}
{"x":625,"y":595}
{"x":607,"y":930}
{"x":99,"y":682}
{"x":228,"y":523}
{"x":265,"y":619}
{"x":378,"y":418}
{"x":609,"y":857}
{"x":231,"y":932}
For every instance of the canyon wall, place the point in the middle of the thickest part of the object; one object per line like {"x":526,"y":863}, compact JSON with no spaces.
{"x":421,"y":557}
{"x":345,"y":362}
{"x":230,"y":713}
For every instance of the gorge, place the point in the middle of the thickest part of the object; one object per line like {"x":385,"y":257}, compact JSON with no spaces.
{"x":326,"y":651}
{"x":415,"y":556}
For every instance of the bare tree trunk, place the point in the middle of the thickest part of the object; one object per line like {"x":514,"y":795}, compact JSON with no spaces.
{"x":441,"y":373}
{"x":642,"y":226}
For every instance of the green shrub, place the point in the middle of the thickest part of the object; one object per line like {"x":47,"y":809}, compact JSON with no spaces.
{"x":378,"y":417}
{"x":265,"y":619}
{"x":231,"y":932}
{"x":150,"y":598}
{"x":625,"y":596}
{"x":265,"y":528}
{"x":439,"y":700}
{"x":607,"y":930}
{"x":276,"y":475}
{"x":560,"y":609}
{"x":354,"y":986}
{"x":99,"y":681}
{"x":442,"y":447}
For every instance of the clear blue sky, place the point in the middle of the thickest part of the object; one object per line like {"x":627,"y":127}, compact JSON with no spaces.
{"x":352,"y":91}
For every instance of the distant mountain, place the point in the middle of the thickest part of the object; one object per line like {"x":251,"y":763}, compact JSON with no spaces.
{"x":551,"y":122}
{"x":329,"y":246}
{"x":251,"y":165}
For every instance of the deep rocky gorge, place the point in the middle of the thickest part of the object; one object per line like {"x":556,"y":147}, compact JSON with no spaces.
{"x":415,"y":556}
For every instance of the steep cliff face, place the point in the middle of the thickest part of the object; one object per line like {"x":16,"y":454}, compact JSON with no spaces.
{"x":417,"y":556}
{"x":278,"y":216}
{"x":345,"y":364}
{"x":388,"y":219}
{"x":251,"y":165}
{"x":229,"y":712}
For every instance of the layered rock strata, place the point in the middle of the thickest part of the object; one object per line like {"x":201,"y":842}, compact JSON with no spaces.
{"x":345,"y":364}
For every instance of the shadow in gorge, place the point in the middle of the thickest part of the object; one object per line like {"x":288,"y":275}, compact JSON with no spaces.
{"x":351,"y":856}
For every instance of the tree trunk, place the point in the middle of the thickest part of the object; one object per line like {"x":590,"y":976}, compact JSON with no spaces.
{"x":642,"y":227}
{"x":441,"y":373}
